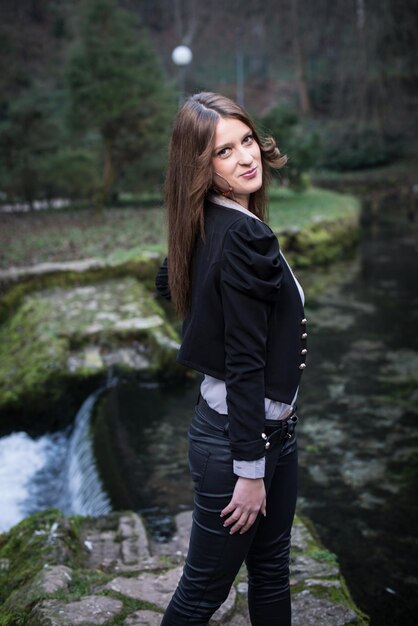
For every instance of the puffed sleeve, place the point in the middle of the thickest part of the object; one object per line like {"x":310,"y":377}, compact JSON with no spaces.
{"x":161,"y":281}
{"x":251,"y":274}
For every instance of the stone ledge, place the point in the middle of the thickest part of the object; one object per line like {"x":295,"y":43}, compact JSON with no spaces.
{"x":112,"y":571}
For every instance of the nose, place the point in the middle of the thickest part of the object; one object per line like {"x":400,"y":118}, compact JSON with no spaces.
{"x":244,"y":156}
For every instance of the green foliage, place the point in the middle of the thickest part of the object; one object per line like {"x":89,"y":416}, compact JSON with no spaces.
{"x":350,"y":145}
{"x":71,"y":172}
{"x":294,"y":138}
{"x":108,"y":87}
{"x":28,"y":135}
{"x":117,"y":90}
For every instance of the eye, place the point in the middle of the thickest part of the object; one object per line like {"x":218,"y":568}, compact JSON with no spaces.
{"x":223,"y":153}
{"x":248,"y":139}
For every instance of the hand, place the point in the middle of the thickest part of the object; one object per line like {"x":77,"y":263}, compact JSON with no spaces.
{"x":248,"y":500}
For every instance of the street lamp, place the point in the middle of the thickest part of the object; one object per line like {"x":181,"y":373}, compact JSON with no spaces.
{"x":182,"y":56}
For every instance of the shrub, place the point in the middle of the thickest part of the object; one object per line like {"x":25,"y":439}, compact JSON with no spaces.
{"x":296,"y":140}
{"x":71,"y":173}
{"x":354,"y":145}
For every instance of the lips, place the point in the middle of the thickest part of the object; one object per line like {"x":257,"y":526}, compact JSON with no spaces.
{"x":250,"y":173}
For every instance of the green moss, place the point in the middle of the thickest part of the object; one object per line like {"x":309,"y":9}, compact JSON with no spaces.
{"x":30,"y":352}
{"x":320,"y":243}
{"x":83,"y":583}
{"x":320,"y":554}
{"x":139,"y":264}
{"x":45,"y":345}
{"x":129,"y":606}
{"x":340,"y":595}
{"x":45,"y":537}
{"x":337,"y":593}
{"x":49,"y":537}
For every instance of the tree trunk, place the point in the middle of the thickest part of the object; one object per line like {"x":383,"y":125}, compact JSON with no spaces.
{"x":108,"y":177}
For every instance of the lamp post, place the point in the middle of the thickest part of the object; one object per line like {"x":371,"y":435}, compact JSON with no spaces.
{"x":182,"y":57}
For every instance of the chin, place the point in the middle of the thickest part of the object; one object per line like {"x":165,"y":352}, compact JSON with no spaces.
{"x":256,"y":186}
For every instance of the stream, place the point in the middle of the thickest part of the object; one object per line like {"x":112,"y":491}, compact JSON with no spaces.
{"x":357,"y":438}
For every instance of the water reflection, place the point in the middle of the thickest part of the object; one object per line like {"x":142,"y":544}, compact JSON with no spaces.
{"x":359,"y":441}
{"x":140,"y":441}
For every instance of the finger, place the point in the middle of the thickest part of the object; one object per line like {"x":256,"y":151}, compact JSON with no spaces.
{"x":230,"y":508}
{"x":249,"y":523}
{"x":239,"y":524}
{"x":234,"y":518}
{"x":263,"y":509}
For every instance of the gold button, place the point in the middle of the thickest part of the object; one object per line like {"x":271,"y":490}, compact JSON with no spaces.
{"x":302,"y":366}
{"x":304,"y":335}
{"x":304,"y":321}
{"x":304,"y":351}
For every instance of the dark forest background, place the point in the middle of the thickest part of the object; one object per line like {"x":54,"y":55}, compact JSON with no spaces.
{"x":88,"y":89}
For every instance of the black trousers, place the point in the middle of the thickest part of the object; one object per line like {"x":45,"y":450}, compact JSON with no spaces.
{"x":215,"y":557}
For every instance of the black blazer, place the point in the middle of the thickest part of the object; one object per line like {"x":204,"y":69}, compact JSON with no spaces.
{"x":246,"y":325}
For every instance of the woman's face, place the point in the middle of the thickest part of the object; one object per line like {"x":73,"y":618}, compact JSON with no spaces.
{"x":236,"y":160}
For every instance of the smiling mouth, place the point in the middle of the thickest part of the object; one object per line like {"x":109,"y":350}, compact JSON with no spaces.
{"x":250,"y":173}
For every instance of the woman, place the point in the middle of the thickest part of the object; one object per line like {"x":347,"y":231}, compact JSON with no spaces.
{"x":244,"y":329}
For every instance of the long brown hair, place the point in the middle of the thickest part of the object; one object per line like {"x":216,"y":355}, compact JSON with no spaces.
{"x":189,"y":178}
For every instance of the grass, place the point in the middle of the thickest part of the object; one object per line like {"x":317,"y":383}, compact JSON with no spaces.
{"x":30,"y":238}
{"x":295,"y":209}
{"x":53,"y":235}
{"x":400,"y":174}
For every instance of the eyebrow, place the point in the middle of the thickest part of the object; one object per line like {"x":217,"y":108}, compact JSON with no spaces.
{"x":226,"y":145}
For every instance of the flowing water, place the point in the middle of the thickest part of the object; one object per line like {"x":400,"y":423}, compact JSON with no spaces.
{"x":358,"y":438}
{"x":55,"y":470}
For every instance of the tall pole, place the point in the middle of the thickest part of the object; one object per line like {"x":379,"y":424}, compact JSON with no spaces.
{"x":182,"y":57}
{"x":239,"y":68}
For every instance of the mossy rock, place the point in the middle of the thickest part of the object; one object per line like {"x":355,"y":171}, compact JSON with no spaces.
{"x":16,"y":283}
{"x":320,"y":243}
{"x":41,"y":539}
{"x":65,"y":340}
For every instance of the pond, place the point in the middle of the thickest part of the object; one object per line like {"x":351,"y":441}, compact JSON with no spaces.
{"x":358,"y":438}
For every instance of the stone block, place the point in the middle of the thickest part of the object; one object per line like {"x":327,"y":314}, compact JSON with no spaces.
{"x":88,"y":611}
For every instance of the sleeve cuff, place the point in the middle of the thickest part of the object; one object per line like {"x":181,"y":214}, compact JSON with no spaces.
{"x":250,"y":469}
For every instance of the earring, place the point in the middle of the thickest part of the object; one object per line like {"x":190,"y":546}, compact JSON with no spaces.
{"x":230,"y":192}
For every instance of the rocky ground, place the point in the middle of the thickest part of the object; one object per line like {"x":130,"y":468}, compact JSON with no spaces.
{"x":57,"y":571}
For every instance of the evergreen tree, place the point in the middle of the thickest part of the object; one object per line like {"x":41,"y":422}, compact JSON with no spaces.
{"x":28,"y":134}
{"x":118,"y":95}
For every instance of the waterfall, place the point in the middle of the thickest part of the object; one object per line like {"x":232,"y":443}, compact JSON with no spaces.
{"x":20,"y":458}
{"x":55,"y":470}
{"x":84,"y":492}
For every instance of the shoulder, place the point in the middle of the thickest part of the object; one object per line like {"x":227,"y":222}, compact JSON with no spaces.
{"x":254,"y":234}
{"x":239,"y":224}
{"x":251,"y":259}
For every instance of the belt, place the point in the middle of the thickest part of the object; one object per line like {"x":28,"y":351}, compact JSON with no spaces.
{"x":274,"y":430}
{"x":281,"y":431}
